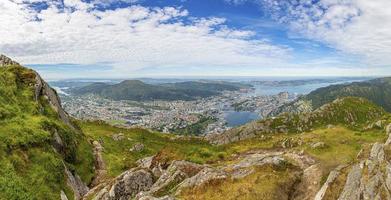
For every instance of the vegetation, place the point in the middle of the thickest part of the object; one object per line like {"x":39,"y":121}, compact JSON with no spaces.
{"x":138,"y":91}
{"x":266,"y":183}
{"x":197,"y":128}
{"x":30,"y":168}
{"x":118,"y":157}
{"x":377,"y":91}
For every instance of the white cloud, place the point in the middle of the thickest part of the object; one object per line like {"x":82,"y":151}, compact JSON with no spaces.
{"x":128,"y":38}
{"x":358,"y":27}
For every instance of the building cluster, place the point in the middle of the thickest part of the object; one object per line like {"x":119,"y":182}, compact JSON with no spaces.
{"x":167,"y":116}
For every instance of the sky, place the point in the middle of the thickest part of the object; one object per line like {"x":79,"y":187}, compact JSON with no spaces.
{"x":64,"y":39}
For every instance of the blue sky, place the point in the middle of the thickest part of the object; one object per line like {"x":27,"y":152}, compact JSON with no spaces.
{"x":179,"y":38}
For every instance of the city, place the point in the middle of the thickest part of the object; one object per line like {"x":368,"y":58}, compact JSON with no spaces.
{"x":202,"y":116}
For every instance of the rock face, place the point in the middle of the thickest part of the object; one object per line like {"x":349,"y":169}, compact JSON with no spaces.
{"x":100,"y":166}
{"x":176,"y":176}
{"x":43,"y":89}
{"x":5,"y":61}
{"x":127,"y":185}
{"x":76,"y":184}
{"x":368,"y":179}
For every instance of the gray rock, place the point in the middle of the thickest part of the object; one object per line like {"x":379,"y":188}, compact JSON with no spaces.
{"x":330,"y":179}
{"x":175,"y":174}
{"x":118,"y":137}
{"x":129,"y":184}
{"x":274,"y":158}
{"x":242,"y":173}
{"x":76,"y":184}
{"x":63,"y":195}
{"x":204,"y":176}
{"x":100,"y":165}
{"x":351,"y":191}
{"x":145,"y":162}
{"x":5,"y":61}
{"x":137,"y":147}
{"x":318,"y":145}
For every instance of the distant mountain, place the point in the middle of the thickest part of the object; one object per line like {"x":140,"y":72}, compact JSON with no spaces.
{"x":377,"y":90}
{"x":137,"y":90}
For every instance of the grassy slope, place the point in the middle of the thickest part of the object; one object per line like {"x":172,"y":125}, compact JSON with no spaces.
{"x":343,"y":142}
{"x":29,"y":166}
{"x":119,"y":158}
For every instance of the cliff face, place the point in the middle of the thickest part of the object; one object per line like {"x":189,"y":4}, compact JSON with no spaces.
{"x":38,"y":140}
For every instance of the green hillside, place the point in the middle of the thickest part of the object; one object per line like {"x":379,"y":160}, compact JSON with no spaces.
{"x":377,"y":91}
{"x":138,"y":91}
{"x":355,"y":113}
{"x":36,"y":141}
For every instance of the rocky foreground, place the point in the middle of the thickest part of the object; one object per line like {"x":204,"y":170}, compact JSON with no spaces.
{"x":156,"y":177}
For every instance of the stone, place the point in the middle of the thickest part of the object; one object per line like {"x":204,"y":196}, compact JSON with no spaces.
{"x":318,"y":145}
{"x":131,"y":183}
{"x":5,"y":61}
{"x":100,"y":165}
{"x":175,"y":174}
{"x":351,"y":190}
{"x":118,"y":137}
{"x":76,"y":184}
{"x":330,"y":179}
{"x":145,"y":162}
{"x":137,"y":147}
{"x":204,"y":176}
{"x":257,"y":159}
{"x":330,"y":126}
{"x":63,"y":195}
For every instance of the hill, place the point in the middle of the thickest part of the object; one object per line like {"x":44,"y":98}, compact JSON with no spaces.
{"x":42,"y":151}
{"x":377,"y":90}
{"x":350,"y":111}
{"x":137,"y":90}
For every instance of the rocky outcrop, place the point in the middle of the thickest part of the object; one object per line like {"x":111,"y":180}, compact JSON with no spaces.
{"x":99,"y":164}
{"x":76,"y":184}
{"x":63,"y":196}
{"x":5,"y":61}
{"x":330,"y":179}
{"x":42,"y":89}
{"x":182,"y":175}
{"x":368,"y":179}
{"x":127,"y":185}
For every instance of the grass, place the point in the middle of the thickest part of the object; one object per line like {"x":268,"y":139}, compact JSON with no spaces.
{"x":118,"y":157}
{"x":265,"y":183}
{"x":30,"y":168}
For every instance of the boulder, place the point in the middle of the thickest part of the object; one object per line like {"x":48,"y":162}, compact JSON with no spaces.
{"x":351,"y":191}
{"x":138,"y":147}
{"x":118,"y":137}
{"x":318,"y":145}
{"x":204,"y":176}
{"x":174,"y":175}
{"x":129,"y":184}
{"x":63,"y":196}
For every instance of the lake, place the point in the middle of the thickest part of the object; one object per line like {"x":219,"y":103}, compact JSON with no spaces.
{"x":235,"y":118}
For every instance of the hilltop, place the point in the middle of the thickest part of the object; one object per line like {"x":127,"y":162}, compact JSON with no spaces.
{"x":139,"y":91}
